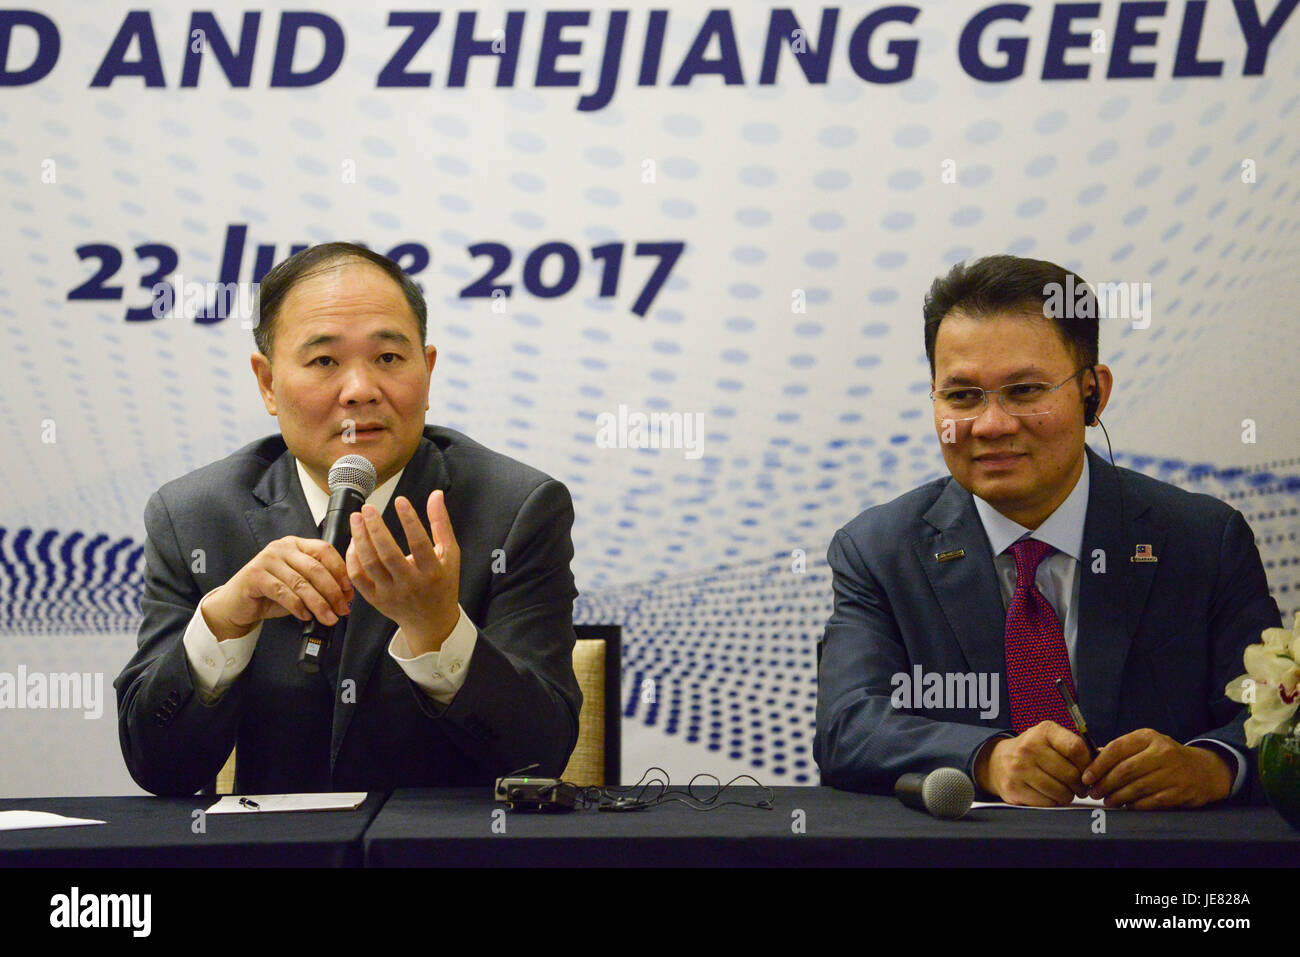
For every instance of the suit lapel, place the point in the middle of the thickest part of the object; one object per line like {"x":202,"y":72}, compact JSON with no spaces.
{"x":1111,"y":601}
{"x":283,"y":509}
{"x":368,"y":631}
{"x":966,"y":587}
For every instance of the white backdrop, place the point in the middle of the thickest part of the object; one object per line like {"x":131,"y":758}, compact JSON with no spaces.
{"x":812,"y":214}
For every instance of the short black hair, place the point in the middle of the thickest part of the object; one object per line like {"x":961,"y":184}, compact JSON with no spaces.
{"x":994,"y":285}
{"x":277,"y":283}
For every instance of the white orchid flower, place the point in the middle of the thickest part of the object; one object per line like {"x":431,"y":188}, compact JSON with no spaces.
{"x":1268,"y":714}
{"x":1271,"y":684}
{"x":1277,"y":641}
{"x":1271,"y":669}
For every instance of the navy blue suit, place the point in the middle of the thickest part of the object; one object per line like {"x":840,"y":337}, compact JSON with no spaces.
{"x":1157,"y":641}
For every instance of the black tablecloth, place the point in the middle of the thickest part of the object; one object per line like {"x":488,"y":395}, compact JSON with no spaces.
{"x":158,"y":832}
{"x":431,"y":827}
{"x":807,"y":827}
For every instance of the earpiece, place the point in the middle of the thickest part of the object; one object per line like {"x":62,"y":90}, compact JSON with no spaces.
{"x":1092,"y":401}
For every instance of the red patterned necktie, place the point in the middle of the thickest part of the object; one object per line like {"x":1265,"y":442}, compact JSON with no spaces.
{"x":1035,"y":646}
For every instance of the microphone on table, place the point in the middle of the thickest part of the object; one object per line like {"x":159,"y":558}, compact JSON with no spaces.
{"x":352,"y":479}
{"x":945,"y":793}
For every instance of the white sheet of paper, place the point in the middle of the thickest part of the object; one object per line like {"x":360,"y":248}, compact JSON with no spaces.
{"x":329,"y":801}
{"x":19,"y":820}
{"x":1079,"y":803}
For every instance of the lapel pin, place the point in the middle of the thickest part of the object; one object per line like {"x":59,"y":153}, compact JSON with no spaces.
{"x":1143,"y":553}
{"x":950,"y":556}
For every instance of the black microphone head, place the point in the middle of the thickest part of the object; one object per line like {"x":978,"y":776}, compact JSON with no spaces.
{"x":353,"y":471}
{"x":947,"y":793}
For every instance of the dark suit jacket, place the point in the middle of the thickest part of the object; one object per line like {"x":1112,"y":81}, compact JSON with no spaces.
{"x":304,"y":732}
{"x":1157,"y":642}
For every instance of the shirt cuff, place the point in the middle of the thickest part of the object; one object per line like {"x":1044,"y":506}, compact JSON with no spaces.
{"x":214,"y":665}
{"x":974,"y":760}
{"x":1227,"y":750}
{"x":439,"y":673}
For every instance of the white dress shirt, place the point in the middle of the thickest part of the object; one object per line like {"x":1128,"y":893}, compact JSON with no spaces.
{"x":1058,"y":578}
{"x":214,"y":665}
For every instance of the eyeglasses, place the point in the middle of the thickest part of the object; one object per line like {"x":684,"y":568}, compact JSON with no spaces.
{"x":963,"y":403}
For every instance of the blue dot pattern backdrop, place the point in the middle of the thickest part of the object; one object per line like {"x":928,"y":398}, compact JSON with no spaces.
{"x":674,"y":256}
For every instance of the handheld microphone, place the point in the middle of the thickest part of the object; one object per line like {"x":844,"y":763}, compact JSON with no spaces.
{"x":945,"y":793}
{"x":352,"y":479}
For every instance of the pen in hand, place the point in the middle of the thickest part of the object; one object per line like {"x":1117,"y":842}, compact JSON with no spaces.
{"x":1077,"y":716}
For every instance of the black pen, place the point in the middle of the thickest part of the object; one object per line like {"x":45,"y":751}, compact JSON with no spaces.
{"x":245,"y":802}
{"x":1072,"y":706}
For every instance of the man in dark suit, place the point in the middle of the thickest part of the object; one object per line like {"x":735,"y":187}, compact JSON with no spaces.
{"x":451,"y":662}
{"x":959,"y":604}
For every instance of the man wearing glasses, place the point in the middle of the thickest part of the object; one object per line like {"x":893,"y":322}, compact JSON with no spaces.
{"x":960,"y":604}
